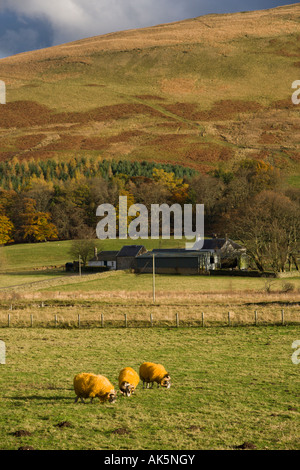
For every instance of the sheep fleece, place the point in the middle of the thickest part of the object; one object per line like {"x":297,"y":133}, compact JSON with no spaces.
{"x":87,"y":385}
{"x":128,"y":375}
{"x":151,"y":372}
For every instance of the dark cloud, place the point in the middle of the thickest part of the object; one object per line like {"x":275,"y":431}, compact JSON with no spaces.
{"x":34,"y":24}
{"x":20,"y":34}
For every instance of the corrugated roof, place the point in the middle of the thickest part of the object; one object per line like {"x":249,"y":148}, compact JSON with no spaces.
{"x":173,"y":250}
{"x":174,"y":254}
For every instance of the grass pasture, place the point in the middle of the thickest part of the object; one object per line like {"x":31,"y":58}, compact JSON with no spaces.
{"x":230,"y":386}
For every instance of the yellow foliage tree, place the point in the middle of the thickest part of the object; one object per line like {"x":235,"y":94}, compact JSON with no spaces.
{"x":36,"y":225}
{"x":177,"y":188}
{"x":6,"y":230}
{"x":130,"y":202}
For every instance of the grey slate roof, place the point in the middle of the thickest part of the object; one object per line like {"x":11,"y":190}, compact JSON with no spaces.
{"x":218,"y":243}
{"x":130,"y":250}
{"x":105,"y":256}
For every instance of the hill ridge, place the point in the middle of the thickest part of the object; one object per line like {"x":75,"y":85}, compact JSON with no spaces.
{"x":201,"y":92}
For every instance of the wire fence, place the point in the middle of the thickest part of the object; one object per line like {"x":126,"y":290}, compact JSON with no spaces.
{"x":282,"y":317}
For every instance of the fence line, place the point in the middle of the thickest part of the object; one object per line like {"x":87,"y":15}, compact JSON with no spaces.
{"x":160,"y":323}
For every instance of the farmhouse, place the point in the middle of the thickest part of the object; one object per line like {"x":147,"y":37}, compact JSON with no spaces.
{"x":105,"y":259}
{"x":231,"y":254}
{"x":112,"y":260}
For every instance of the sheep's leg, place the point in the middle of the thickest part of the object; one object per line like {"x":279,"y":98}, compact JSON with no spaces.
{"x":92,"y":400}
{"x":152,"y":383}
{"x":81,"y":399}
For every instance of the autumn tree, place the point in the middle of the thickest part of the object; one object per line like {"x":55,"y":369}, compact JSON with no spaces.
{"x":6,"y":226}
{"x":176,"y":186}
{"x":36,"y":225}
{"x":6,"y":230}
{"x":123,"y":208}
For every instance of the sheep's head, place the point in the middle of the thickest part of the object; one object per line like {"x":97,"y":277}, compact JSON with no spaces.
{"x":112,"y":396}
{"x":166,"y":381}
{"x":127,"y":389}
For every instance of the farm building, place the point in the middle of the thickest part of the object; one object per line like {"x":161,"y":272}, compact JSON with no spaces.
{"x":216,"y":253}
{"x":122,"y":259}
{"x":232,"y":255}
{"x":177,"y":261}
{"x":126,"y":257}
{"x":107,"y":259}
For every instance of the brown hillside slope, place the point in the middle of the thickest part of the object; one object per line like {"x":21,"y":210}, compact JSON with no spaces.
{"x":200,"y":92}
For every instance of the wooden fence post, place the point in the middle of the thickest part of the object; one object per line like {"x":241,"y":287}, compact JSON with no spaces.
{"x":151,"y":319}
{"x":55,"y":319}
{"x":78,"y":321}
{"x":282,"y":316}
{"x":102,"y":320}
{"x":228,"y":318}
{"x":255,"y":316}
{"x":177,"y":320}
{"x":125,"y":317}
{"x":203,"y":319}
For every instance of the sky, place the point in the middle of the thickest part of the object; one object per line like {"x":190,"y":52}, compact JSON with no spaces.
{"x":27,"y":25}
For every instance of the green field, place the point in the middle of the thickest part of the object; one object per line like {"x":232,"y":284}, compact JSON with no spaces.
{"x":27,"y":281}
{"x":229,"y":386}
{"x":28,"y":256}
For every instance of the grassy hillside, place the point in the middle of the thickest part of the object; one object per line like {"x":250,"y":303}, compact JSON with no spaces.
{"x":202,"y":93}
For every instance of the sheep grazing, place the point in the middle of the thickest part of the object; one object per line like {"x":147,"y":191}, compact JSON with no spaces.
{"x":151,"y":372}
{"x":87,"y":385}
{"x":128,"y":381}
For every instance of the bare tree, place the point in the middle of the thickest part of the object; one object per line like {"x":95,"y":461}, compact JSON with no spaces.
{"x":269,"y":227}
{"x":84,"y":247}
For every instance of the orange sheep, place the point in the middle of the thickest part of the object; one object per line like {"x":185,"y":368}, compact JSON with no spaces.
{"x":87,"y":385}
{"x":151,"y":372}
{"x":128,"y":381}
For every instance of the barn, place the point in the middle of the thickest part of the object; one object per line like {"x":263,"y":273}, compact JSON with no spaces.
{"x":127,"y":256}
{"x":177,"y":261}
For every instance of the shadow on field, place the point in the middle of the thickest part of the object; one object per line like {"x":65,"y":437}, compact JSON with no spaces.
{"x":40,"y":398}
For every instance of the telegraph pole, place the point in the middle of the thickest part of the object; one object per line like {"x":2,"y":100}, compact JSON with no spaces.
{"x":79,"y":261}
